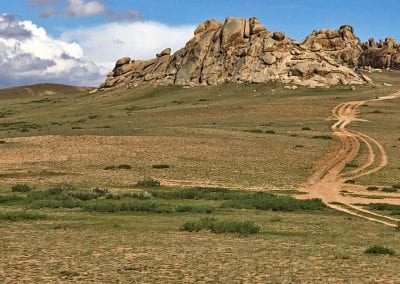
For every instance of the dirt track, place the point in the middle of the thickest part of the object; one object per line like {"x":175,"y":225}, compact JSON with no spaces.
{"x":329,"y":182}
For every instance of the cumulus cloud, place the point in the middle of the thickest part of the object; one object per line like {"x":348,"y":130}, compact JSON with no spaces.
{"x":29,"y":55}
{"x":105,"y":43}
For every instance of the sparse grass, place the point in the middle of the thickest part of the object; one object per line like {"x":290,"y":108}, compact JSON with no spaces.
{"x":21,"y":188}
{"x":221,"y":226}
{"x":21,"y":215}
{"x":378,"y":249}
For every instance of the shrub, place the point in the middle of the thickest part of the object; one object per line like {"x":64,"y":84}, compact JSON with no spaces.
{"x":350,"y":181}
{"x":352,"y":165}
{"x":376,"y":111}
{"x":306,"y":128}
{"x":253,"y":130}
{"x":221,"y":226}
{"x":160,"y":166}
{"x":2,"y":142}
{"x":124,"y":167}
{"x":378,"y":249}
{"x":270,"y":132}
{"x":21,"y":216}
{"x":372,"y":188}
{"x":148,"y":182}
{"x":117,"y":206}
{"x":394,"y":209}
{"x":21,"y":188}
{"x":54,"y":204}
{"x":396,"y":186}
{"x":389,"y":189}
{"x":108,"y":168}
{"x":299,"y":146}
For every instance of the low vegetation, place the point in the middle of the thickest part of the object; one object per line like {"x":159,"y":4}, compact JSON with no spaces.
{"x":378,"y":249}
{"x":21,"y":215}
{"x":221,"y":226}
{"x":21,"y":188}
{"x":118,"y":167}
{"x":392,"y":208}
{"x":160,"y":166}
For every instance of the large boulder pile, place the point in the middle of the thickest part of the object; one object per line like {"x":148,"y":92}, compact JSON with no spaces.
{"x":243,"y":50}
{"x":382,"y":54}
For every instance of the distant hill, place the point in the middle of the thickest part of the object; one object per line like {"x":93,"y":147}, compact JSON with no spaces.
{"x":40,"y":90}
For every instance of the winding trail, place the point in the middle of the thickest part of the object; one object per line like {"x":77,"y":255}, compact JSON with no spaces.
{"x":329,"y":180}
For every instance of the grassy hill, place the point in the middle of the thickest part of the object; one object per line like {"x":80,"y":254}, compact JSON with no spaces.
{"x":213,"y":149}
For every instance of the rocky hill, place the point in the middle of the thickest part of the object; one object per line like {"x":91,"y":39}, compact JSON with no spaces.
{"x":243,"y":50}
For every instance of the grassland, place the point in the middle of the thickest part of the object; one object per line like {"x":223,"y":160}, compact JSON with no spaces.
{"x":84,"y":216}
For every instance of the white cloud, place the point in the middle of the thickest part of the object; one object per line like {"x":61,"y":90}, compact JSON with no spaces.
{"x":80,"y":56}
{"x":104,"y":44}
{"x":29,"y":55}
{"x":83,"y":8}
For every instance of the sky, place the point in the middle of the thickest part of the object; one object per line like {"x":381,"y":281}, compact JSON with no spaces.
{"x":77,"y":41}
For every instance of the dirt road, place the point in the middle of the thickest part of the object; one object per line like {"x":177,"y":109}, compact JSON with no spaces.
{"x":334,"y":187}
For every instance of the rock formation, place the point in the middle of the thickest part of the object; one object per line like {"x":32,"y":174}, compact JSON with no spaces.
{"x":384,"y":54}
{"x":243,"y":50}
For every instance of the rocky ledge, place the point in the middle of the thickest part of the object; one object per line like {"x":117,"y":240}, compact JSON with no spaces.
{"x":243,"y":50}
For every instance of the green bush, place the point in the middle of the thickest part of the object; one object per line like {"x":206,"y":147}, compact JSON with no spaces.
{"x":221,"y":226}
{"x":378,"y":249}
{"x":21,"y":216}
{"x":54,"y":204}
{"x":21,"y":188}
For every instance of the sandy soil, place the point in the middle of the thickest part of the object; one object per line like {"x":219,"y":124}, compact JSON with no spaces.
{"x":329,"y":181}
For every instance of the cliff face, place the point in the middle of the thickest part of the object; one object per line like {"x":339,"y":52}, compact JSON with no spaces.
{"x":243,"y":50}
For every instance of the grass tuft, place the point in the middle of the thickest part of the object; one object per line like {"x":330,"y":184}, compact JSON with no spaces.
{"x":378,"y":249}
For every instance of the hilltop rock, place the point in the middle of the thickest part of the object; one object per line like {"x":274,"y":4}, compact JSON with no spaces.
{"x":243,"y":50}
{"x":385,"y":54}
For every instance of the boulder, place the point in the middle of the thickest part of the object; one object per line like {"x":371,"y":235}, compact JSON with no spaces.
{"x":279,"y":36}
{"x":122,"y":61}
{"x":269,"y":59}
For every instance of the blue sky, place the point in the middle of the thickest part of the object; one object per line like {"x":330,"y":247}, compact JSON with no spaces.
{"x":78,"y":41}
{"x":298,"y":18}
